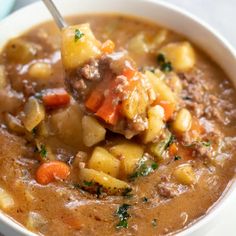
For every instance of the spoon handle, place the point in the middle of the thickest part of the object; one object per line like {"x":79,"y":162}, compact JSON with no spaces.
{"x":55,"y":13}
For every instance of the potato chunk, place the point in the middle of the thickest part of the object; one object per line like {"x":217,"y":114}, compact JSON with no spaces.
{"x":185,"y":174}
{"x":21,"y":51}
{"x":163,"y":92}
{"x":6,"y":200}
{"x":40,"y":70}
{"x":181,"y":55}
{"x":66,"y":125}
{"x":129,"y":154}
{"x":34,"y":113}
{"x":102,"y":160}
{"x":78,"y":45}
{"x":155,"y":124}
{"x":93,"y":132}
{"x":182,"y":121}
{"x":110,"y":183}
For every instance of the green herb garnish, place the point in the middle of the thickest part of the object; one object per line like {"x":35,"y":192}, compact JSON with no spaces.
{"x":43,"y":151}
{"x":78,"y":35}
{"x":165,"y":65}
{"x":122,"y":213}
{"x":206,"y":143}
{"x":154,"y":222}
{"x":145,"y":199}
{"x":176,"y":158}
{"x":145,"y":167}
{"x":88,"y":183}
{"x":127,"y":193}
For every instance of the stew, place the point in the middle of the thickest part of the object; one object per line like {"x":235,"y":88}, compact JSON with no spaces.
{"x":131,"y":133}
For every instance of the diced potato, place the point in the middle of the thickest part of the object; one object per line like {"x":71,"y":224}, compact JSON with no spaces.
{"x":183,"y":121}
{"x":157,"y":149}
{"x":78,"y":45}
{"x":129,"y":154}
{"x":6,"y":200}
{"x":102,"y":160}
{"x":162,"y":91}
{"x":136,"y":103}
{"x":138,"y":45}
{"x":160,"y":38}
{"x":185,"y":174}
{"x":66,"y":124}
{"x":21,"y":51}
{"x":181,"y":55}
{"x":155,"y":124}
{"x":40,"y":70}
{"x":43,"y":129}
{"x":34,"y":113}
{"x":35,"y":221}
{"x":93,"y":131}
{"x":14,"y":124}
{"x":3,"y":81}
{"x":110,"y":183}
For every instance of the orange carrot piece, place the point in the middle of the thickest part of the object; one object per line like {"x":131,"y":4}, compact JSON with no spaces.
{"x":168,"y":107}
{"x":173,"y":149}
{"x":95,"y":100}
{"x":50,"y":171}
{"x":108,"y":46}
{"x":129,"y":73}
{"x":55,"y":97}
{"x":108,"y":111}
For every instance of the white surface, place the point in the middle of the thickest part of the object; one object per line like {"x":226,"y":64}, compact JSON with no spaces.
{"x":221,"y":15}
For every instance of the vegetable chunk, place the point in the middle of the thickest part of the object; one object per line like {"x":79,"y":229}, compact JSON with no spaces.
{"x":181,"y":55}
{"x":6,"y":200}
{"x":110,"y":183}
{"x":93,"y":132}
{"x":34,"y":113}
{"x":102,"y":160}
{"x":185,"y":174}
{"x":129,"y":154}
{"x":78,"y":46}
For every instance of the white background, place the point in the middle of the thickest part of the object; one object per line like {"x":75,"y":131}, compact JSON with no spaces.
{"x":221,"y":14}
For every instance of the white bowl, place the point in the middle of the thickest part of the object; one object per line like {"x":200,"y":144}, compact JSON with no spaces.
{"x":162,"y":13}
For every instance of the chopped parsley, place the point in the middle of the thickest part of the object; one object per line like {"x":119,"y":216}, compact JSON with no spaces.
{"x":145,"y":199}
{"x":34,"y":130}
{"x":206,"y":143}
{"x":176,"y":158}
{"x":145,"y":168}
{"x":154,"y":222}
{"x":122,"y":213}
{"x":165,"y":65}
{"x":127,"y":193}
{"x":78,"y":35}
{"x":43,"y":151}
{"x":88,"y":183}
{"x":38,"y":95}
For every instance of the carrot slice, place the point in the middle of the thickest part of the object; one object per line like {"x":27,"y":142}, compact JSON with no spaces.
{"x":129,"y":73}
{"x":95,"y":100}
{"x":173,"y":149}
{"x":50,"y":171}
{"x":108,"y":46}
{"x":53,"y":98}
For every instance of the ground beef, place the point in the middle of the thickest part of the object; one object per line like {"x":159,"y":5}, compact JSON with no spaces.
{"x":201,"y":102}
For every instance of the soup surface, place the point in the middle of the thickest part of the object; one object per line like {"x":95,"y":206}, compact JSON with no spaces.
{"x":65,"y":172}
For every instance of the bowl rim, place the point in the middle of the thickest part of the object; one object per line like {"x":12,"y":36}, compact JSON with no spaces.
{"x":228,"y":193}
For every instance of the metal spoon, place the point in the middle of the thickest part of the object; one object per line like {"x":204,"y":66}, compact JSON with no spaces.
{"x":55,"y":14}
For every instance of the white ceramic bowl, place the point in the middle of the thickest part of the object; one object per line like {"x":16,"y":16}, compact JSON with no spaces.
{"x":162,"y":13}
